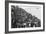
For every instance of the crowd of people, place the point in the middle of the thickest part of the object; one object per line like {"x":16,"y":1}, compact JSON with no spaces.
{"x":21,"y":19}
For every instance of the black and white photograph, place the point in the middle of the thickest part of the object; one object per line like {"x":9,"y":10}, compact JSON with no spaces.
{"x":25,"y":16}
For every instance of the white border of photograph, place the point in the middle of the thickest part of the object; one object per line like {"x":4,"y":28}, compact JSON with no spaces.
{"x":30,"y":28}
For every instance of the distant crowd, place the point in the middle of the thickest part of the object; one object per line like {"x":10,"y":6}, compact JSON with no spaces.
{"x":21,"y":19}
